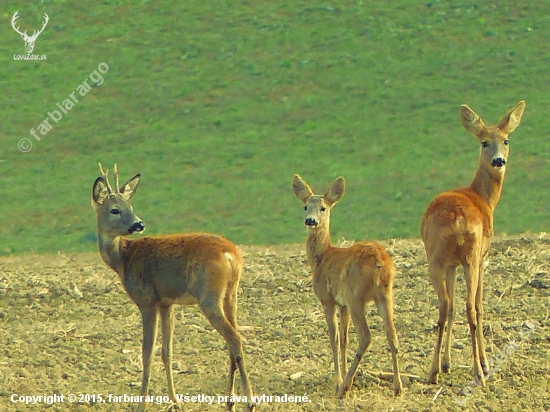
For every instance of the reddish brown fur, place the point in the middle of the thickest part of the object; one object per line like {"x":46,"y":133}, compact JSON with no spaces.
{"x":348,"y":278}
{"x":197,"y":260}
{"x":338,"y":265}
{"x":457,"y":229}
{"x":454,"y":241}
{"x":160,"y":271}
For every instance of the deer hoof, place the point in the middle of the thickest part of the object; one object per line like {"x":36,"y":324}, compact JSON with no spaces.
{"x":433,"y":378}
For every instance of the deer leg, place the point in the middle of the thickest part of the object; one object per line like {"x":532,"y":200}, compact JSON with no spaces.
{"x":215,"y":314}
{"x":358,"y":317}
{"x":230,"y":310}
{"x":479,"y":311}
{"x":344,"y":337}
{"x":450,"y":285}
{"x":471,"y":272}
{"x":149,"y":317}
{"x":330,"y":316}
{"x":167,"y":322}
{"x":385,"y":309}
{"x":438,"y":281}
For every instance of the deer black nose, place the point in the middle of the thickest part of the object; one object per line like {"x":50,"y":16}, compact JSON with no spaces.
{"x":137,"y":227}
{"x":311,"y":221}
{"x":498,"y":162}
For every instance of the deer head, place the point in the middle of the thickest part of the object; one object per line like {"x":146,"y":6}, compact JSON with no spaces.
{"x":115,"y":216}
{"x":29,"y":40}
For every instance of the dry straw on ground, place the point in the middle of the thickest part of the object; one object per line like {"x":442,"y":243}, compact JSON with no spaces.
{"x":68,"y":327}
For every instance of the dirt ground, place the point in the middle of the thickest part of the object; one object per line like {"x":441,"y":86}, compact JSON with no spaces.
{"x":67,"y":327}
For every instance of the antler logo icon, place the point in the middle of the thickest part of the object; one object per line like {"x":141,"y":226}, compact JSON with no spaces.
{"x":29,"y":40}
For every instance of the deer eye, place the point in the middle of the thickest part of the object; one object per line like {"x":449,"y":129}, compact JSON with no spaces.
{"x":115,"y":211}
{"x":484,"y":144}
{"x":323,"y":208}
{"x":305,"y":207}
{"x":506,"y":142}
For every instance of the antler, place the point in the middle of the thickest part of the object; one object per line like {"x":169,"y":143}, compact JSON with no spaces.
{"x":105,"y":174}
{"x":15,"y":17}
{"x":117,"y":188}
{"x":35,"y":35}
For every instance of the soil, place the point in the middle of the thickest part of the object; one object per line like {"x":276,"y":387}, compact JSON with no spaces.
{"x":68,"y":327}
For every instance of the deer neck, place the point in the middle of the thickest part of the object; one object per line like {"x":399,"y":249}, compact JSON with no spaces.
{"x":113,"y":249}
{"x":318,"y":242}
{"x":488,"y":185}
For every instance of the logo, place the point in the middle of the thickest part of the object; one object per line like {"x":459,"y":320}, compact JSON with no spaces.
{"x":29,"y":40}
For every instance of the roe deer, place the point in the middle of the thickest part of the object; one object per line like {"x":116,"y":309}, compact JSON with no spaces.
{"x":457,"y":229}
{"x":160,"y":271}
{"x":348,"y":278}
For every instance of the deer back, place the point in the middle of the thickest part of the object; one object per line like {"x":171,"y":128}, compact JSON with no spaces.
{"x":352,"y":273}
{"x":182,"y":269}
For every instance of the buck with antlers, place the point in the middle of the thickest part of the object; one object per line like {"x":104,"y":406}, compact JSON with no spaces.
{"x":160,"y":271}
{"x":348,"y":278}
{"x":457,"y":229}
{"x":29,"y":40}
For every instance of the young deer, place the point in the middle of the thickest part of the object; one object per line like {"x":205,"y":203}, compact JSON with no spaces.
{"x":457,"y":229}
{"x":348,"y":278}
{"x":160,"y":271}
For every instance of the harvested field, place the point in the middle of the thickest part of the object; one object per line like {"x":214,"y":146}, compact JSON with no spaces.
{"x":69,"y":328}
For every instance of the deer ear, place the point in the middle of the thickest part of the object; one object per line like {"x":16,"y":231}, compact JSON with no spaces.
{"x":99,"y":191}
{"x":128,"y":189}
{"x":471,"y":120}
{"x":336,"y":190}
{"x":301,"y":189}
{"x":511,"y":119}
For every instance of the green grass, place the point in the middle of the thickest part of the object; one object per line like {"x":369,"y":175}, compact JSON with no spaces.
{"x":217,"y":105}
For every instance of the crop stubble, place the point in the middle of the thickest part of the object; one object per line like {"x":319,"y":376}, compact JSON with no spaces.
{"x":68,"y":327}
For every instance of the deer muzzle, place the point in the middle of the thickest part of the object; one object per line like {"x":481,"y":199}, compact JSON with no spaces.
{"x":136,"y":227}
{"x":310,"y":221}
{"x":498,"y":162}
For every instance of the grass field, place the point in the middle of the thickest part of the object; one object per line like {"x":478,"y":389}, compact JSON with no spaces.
{"x":217,"y":105}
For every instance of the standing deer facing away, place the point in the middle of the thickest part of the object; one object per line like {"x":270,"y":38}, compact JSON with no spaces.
{"x":348,"y":278}
{"x":457,"y":229}
{"x":160,"y":271}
